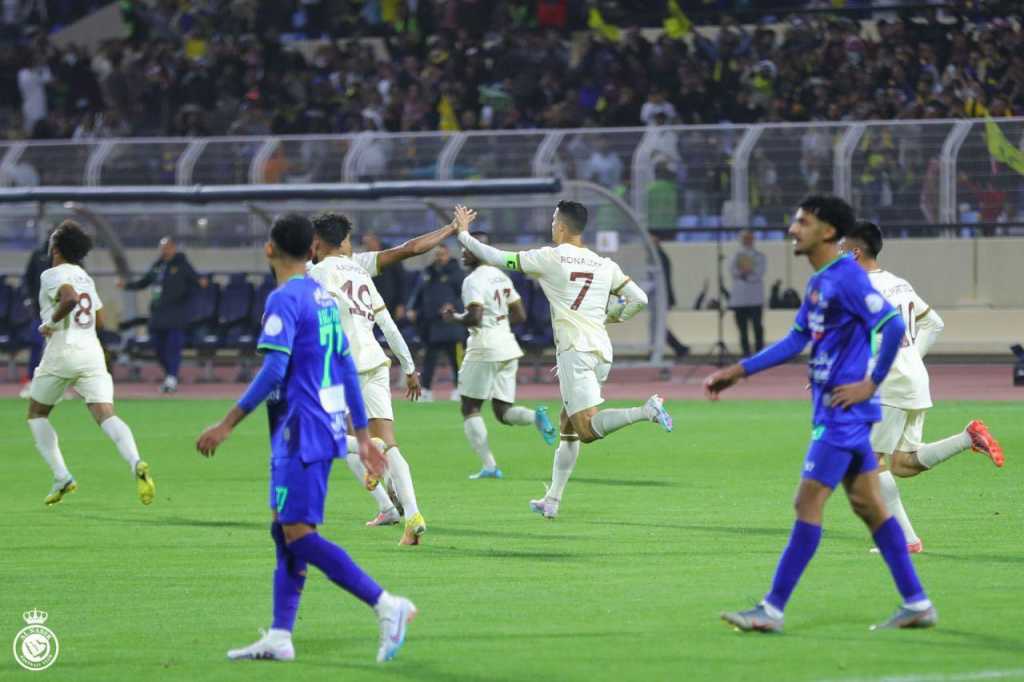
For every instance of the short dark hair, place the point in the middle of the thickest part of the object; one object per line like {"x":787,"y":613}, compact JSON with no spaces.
{"x":868,"y":234}
{"x":832,"y":210}
{"x":71,"y":240}
{"x":293,"y":234}
{"x":573,"y":214}
{"x":332,"y":227}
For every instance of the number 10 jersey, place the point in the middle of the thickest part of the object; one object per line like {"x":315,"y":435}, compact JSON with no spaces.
{"x":73,"y":349}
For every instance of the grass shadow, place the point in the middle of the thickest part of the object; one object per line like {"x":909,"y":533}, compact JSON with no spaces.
{"x":175,"y":521}
{"x":627,"y":483}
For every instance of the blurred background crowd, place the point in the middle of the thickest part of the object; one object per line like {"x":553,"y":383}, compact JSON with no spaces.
{"x":246,"y":67}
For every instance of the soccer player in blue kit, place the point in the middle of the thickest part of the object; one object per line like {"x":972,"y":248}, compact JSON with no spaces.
{"x":312,"y":391}
{"x":846,"y":321}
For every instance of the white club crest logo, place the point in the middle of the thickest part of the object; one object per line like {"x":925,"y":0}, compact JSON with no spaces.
{"x":874,"y":302}
{"x":35,"y":646}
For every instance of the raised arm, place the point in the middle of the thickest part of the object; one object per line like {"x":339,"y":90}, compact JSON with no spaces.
{"x":414,"y":247}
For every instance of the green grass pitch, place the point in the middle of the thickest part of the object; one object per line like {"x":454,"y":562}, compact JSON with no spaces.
{"x":657,"y":534}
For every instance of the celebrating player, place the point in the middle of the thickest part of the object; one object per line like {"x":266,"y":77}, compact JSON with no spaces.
{"x":897,"y":439}
{"x":491,"y":362}
{"x":361,"y":308}
{"x":578,"y":284}
{"x":839,"y":315}
{"x":312,"y":392}
{"x":71,"y":311}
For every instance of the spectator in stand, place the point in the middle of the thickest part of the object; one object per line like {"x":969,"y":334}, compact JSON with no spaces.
{"x":173,"y":281}
{"x":603,"y":166}
{"x":38,"y":261}
{"x":747,"y":296}
{"x":441,"y":285}
{"x":32,"y":82}
{"x":657,"y":104}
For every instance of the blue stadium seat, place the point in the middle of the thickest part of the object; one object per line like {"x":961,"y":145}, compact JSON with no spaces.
{"x":16,"y":324}
{"x":201,"y":335}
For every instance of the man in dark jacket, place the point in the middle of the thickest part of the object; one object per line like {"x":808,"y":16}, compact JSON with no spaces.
{"x":38,"y":261}
{"x":390,"y":282}
{"x":174,"y":281}
{"x":441,"y":285}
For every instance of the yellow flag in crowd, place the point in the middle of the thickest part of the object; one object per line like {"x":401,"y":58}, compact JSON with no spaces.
{"x":596,"y":22}
{"x":446,"y":112}
{"x":677,"y":24}
{"x":1002,"y":149}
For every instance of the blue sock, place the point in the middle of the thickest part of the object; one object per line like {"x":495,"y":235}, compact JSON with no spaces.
{"x":803,"y":542}
{"x":289,"y":578}
{"x":337,"y":566}
{"x":893,"y":545}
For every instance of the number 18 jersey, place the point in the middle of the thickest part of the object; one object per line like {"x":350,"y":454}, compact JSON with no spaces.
{"x":577,"y":283}
{"x":73,"y":349}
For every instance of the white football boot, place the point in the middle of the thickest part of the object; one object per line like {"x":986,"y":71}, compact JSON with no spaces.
{"x":273,"y":645}
{"x":394,"y":615}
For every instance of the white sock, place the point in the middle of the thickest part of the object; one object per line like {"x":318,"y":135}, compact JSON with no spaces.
{"x":279,"y":634}
{"x":355,"y":465}
{"x":352,"y":446}
{"x":402,"y":478}
{"x":518,"y":416}
{"x":46,"y":443}
{"x":609,"y":421}
{"x":565,"y":460}
{"x":385,"y":601}
{"x":476,"y":434}
{"x":919,"y":605}
{"x":771,"y":610}
{"x":891,"y":495}
{"x":931,"y":454}
{"x":118,"y":431}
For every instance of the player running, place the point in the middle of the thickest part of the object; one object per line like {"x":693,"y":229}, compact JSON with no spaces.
{"x":897,"y":439}
{"x":71,"y":311}
{"x":361,"y":308}
{"x":312,"y":391}
{"x":489,"y":368}
{"x":840,"y":316}
{"x":578,"y":284}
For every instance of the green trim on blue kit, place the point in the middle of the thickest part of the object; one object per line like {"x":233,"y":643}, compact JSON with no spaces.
{"x":274,"y":346}
{"x":829,"y":264}
{"x":817,"y":432}
{"x":874,"y":330}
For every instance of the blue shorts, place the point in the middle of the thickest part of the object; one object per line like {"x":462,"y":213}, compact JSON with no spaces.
{"x":298,"y":490}
{"x":837,"y":451}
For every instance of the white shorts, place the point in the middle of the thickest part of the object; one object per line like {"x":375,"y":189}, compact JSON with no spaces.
{"x":376,"y":386}
{"x":47,"y":389}
{"x":899,"y":431}
{"x":484,"y":380}
{"x":580,"y":376}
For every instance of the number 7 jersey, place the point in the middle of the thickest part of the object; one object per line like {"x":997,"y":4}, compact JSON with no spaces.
{"x":577,"y":283}
{"x":73,"y":349}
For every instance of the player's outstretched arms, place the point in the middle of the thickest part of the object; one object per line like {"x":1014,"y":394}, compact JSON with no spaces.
{"x":633,"y":300}
{"x":416,"y":246}
{"x":722,"y":379}
{"x":848,"y":395}
{"x":275,"y":365}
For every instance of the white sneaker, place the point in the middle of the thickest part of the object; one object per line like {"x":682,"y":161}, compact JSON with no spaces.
{"x":455,"y":396}
{"x":273,"y":645}
{"x":170,"y":385}
{"x":427,"y":396}
{"x":394,"y":615}
{"x":26,"y":391}
{"x":390,"y":517}
{"x":545,"y":506}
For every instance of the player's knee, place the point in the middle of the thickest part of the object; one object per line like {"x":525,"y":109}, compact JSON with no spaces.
{"x":499,"y":411}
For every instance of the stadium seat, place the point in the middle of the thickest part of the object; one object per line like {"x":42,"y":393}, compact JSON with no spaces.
{"x":202,"y":336}
{"x":234,"y":320}
{"x":15,"y":325}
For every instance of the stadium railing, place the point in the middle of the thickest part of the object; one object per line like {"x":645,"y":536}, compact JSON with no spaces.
{"x":934,"y":174}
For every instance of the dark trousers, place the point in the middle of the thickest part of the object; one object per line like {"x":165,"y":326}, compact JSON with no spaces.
{"x":446,"y":348}
{"x":749,"y":315}
{"x":36,"y":349}
{"x":168,"y":343}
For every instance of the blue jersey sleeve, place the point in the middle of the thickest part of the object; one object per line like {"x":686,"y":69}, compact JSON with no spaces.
{"x":863,"y":302}
{"x":800,"y":324}
{"x":279,"y":321}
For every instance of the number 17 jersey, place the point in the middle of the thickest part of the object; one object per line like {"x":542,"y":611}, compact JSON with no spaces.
{"x":492,"y":340}
{"x":577,"y":283}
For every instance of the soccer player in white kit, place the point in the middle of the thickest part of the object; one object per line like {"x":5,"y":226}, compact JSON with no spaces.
{"x":361,"y":309}
{"x":491,"y":363}
{"x":578,"y":284}
{"x":71,"y":309}
{"x":898,"y":438}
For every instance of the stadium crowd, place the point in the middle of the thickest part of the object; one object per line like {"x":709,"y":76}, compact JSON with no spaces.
{"x":198,"y":67}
